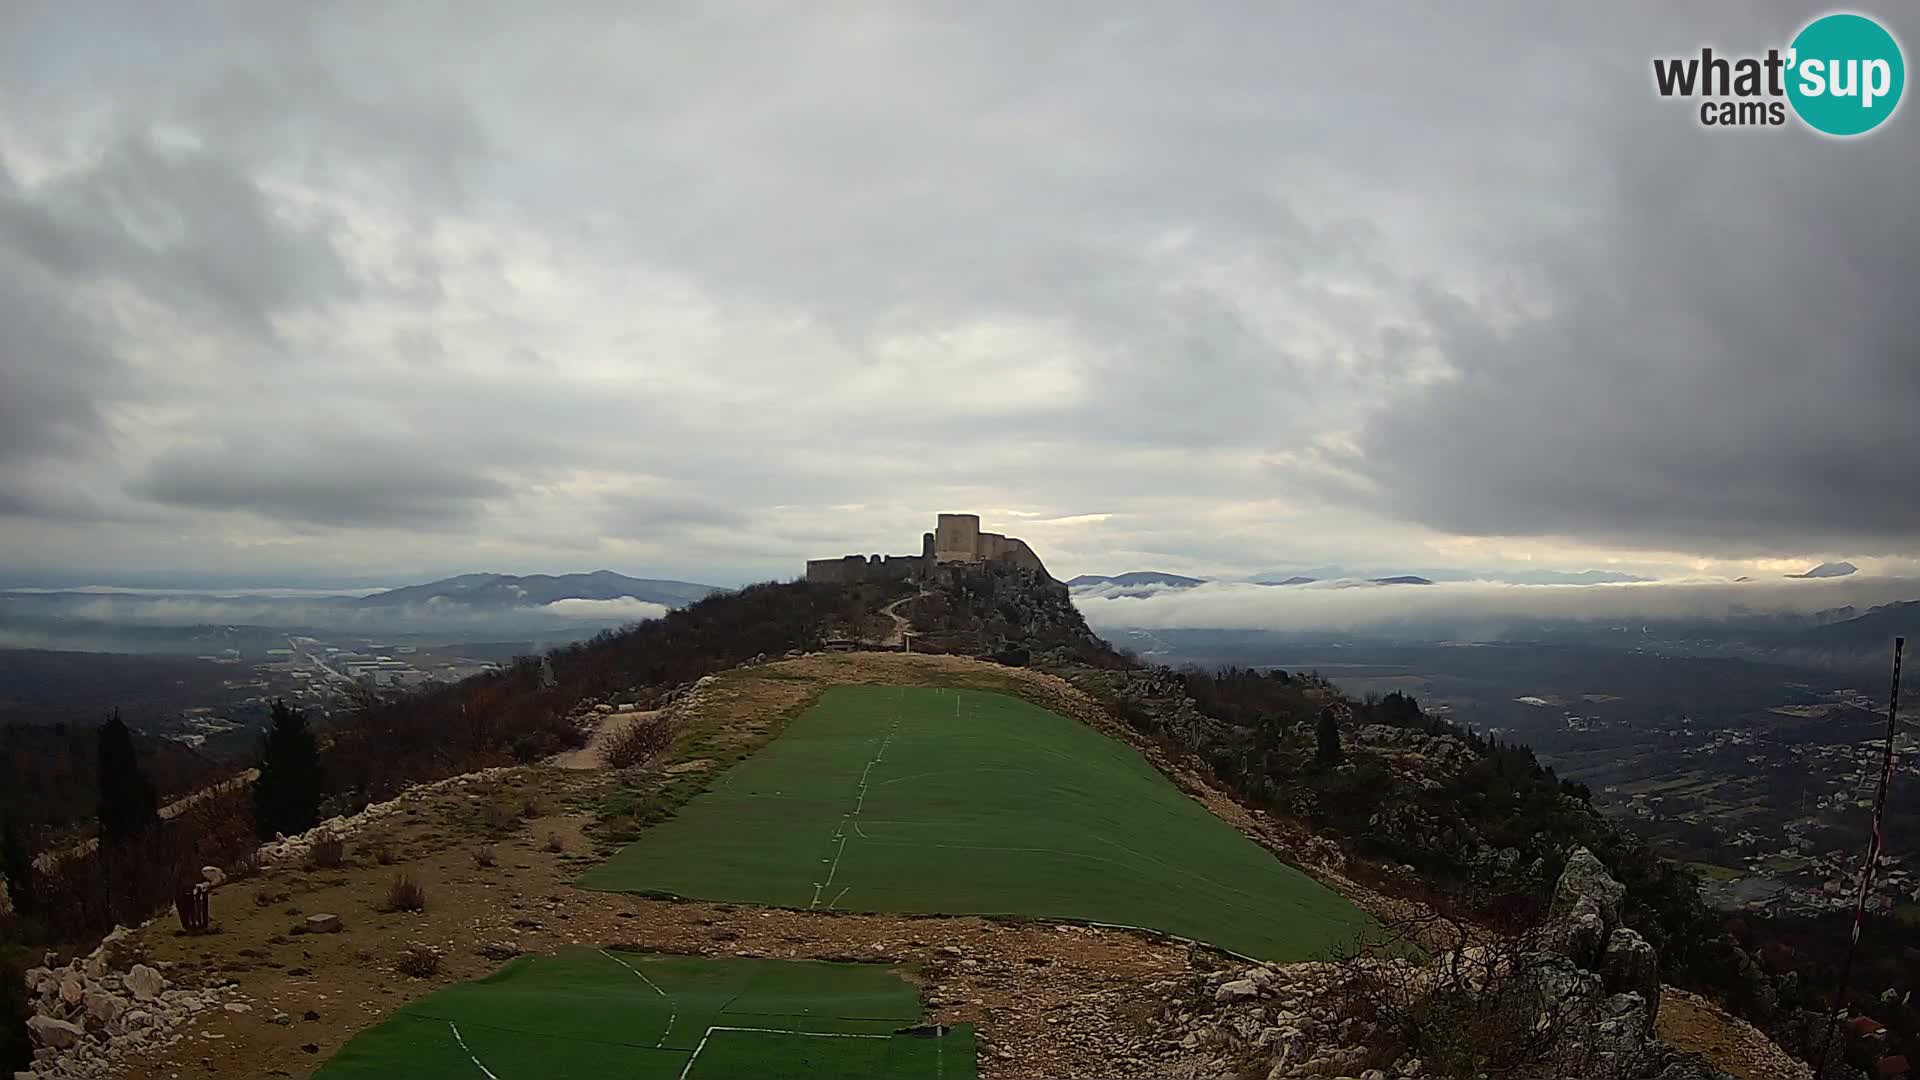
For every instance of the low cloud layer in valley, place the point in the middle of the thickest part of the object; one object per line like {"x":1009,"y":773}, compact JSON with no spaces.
{"x":1469,"y":609}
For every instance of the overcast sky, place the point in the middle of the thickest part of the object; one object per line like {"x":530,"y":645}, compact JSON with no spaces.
{"x":295,"y":293}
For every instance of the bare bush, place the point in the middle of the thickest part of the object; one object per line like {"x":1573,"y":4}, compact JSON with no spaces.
{"x":405,"y":894}
{"x":329,"y":852}
{"x":483,"y":857}
{"x":381,"y":851}
{"x":84,"y":893}
{"x":419,"y":961}
{"x":637,"y":743}
{"x":1494,"y":1004}
{"x":499,"y":816}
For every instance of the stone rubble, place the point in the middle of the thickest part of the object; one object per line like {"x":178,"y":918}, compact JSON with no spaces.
{"x":95,"y":1010}
{"x":283,"y":848}
{"x":1597,"y":983}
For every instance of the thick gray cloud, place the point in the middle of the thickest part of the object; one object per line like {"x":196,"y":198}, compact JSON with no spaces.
{"x":357,"y":484}
{"x":703,"y":292}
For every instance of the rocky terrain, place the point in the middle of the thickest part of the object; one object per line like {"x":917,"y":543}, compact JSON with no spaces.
{"x":307,"y":951}
{"x":94,"y":1012}
{"x":1582,"y":997}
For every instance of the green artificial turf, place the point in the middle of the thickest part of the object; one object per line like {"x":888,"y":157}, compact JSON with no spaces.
{"x":925,"y":800}
{"x":593,"y":1013}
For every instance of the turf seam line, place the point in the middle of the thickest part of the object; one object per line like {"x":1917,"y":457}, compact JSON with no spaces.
{"x":470,"y":1057}
{"x":673,"y":1009}
{"x":840,"y":833}
{"x":768,"y":1031}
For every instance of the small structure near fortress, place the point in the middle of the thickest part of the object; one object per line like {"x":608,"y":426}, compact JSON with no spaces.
{"x":956,"y":541}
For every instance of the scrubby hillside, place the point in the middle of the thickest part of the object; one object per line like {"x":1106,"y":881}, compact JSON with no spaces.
{"x":1374,"y":797}
{"x":1418,"y":807}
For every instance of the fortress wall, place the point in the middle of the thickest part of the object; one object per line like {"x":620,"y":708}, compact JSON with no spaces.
{"x":856,"y":568}
{"x":956,"y":539}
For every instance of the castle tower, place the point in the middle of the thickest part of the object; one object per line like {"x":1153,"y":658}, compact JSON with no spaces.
{"x":956,"y":538}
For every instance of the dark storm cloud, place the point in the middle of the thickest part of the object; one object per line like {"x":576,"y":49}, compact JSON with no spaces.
{"x":343,"y":485}
{"x":1724,"y":356}
{"x":182,"y":226}
{"x":1214,"y":287}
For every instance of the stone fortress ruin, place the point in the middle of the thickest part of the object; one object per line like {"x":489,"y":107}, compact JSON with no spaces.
{"x":955,"y":542}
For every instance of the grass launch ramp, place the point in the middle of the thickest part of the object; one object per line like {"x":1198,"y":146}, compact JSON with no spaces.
{"x":641,"y":1016}
{"x":942,"y":801}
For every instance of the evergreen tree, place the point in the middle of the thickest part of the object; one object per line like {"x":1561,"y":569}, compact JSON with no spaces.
{"x":1329,"y":753}
{"x":17,"y":864}
{"x":286,"y":797}
{"x":128,"y":803}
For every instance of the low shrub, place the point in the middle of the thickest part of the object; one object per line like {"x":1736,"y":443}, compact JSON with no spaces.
{"x":405,"y":894}
{"x":419,"y":961}
{"x":637,"y":743}
{"x":483,"y":857}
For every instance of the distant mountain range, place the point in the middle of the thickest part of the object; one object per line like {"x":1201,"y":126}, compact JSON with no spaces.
{"x":1137,"y":577}
{"x":538,"y":590}
{"x":1828,"y":569}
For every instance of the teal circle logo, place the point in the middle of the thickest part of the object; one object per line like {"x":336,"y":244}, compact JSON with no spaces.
{"x":1846,"y":74}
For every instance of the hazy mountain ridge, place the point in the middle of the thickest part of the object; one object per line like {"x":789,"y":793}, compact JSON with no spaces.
{"x":535,"y":590}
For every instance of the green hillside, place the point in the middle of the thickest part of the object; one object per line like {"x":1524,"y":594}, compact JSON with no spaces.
{"x":596,"y":1013}
{"x":941,"y":801}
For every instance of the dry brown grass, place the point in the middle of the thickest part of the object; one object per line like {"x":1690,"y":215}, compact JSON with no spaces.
{"x":639,"y":742}
{"x":419,"y":961}
{"x":405,"y":894}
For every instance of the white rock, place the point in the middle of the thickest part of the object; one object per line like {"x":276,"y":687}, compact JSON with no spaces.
{"x":72,"y":988}
{"x":1236,"y":990}
{"x":145,"y":983}
{"x":103,"y":1006}
{"x":215,"y":877}
{"x":57,"y":1034}
{"x":239,"y":1007}
{"x":323,"y":924}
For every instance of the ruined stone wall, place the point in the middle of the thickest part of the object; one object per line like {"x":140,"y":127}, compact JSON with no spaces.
{"x":849,"y":569}
{"x":956,"y":540}
{"x":1010,"y":549}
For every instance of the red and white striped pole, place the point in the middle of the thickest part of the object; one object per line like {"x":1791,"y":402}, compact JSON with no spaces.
{"x":1874,"y":847}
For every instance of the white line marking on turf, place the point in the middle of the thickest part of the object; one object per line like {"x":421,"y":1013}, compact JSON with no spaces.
{"x":673,"y":1010}
{"x":769,"y":1031}
{"x":470,"y":1057}
{"x":837,"y":899}
{"x":859,"y":804}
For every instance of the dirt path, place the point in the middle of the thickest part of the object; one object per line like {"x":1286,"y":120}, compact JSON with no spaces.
{"x":901,"y":627}
{"x":1732,"y":1045}
{"x":610,"y":724}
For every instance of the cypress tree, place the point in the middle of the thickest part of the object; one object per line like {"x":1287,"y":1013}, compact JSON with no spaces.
{"x":286,"y":797}
{"x":1328,"y":731}
{"x":129,"y":805}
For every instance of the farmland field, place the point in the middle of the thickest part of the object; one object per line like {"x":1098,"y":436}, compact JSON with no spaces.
{"x":944,"y":801}
{"x":596,"y":1013}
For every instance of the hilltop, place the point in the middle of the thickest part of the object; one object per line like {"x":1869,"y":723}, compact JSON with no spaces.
{"x":1406,"y":815}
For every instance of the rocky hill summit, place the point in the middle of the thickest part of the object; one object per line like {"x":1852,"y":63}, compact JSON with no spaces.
{"x":1576,"y":997}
